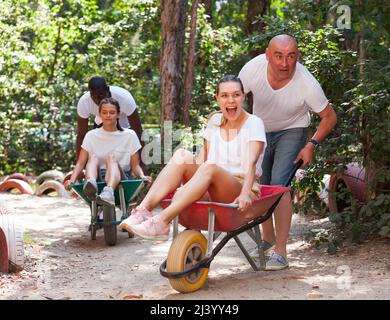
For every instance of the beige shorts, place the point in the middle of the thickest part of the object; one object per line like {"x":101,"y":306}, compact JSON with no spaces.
{"x":255,"y":188}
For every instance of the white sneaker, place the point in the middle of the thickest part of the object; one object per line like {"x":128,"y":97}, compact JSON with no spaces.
{"x":106,"y":197}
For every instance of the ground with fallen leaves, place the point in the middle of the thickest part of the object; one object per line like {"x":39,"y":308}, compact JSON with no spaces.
{"x":63,"y":263}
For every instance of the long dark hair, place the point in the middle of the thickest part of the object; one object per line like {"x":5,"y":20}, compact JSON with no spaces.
{"x":115,"y":103}
{"x":227,"y":78}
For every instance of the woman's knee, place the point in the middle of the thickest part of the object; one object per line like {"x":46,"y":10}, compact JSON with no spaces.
{"x":182,"y":156}
{"x":208,"y":169}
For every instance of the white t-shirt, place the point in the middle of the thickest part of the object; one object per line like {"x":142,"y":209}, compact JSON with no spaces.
{"x":232,"y":155}
{"x":102,"y":143}
{"x":287,"y":107}
{"x":87,"y":106}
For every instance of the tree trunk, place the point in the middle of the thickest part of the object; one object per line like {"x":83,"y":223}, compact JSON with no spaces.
{"x":189,"y":75}
{"x":256,"y":9}
{"x":173,"y":18}
{"x":366,"y":135}
{"x":57,"y":49}
{"x":208,"y":7}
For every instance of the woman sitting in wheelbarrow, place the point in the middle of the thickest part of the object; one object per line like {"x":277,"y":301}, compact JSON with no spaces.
{"x":110,"y":153}
{"x":225,"y":171}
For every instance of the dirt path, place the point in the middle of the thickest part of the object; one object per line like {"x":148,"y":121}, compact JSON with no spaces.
{"x":63,"y":263}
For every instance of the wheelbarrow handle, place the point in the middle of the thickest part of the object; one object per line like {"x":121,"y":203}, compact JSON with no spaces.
{"x":293,"y":172}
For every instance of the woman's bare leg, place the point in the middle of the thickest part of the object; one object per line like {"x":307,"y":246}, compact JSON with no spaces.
{"x":180,"y":169}
{"x":283,"y":215}
{"x":220,"y":184}
{"x":113,"y":174}
{"x":92,"y":167}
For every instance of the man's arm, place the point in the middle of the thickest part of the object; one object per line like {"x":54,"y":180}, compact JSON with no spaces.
{"x":135,"y":124}
{"x":328,"y":121}
{"x":82,"y":128}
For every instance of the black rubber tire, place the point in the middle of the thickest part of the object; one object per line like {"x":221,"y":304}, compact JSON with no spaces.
{"x":110,"y":230}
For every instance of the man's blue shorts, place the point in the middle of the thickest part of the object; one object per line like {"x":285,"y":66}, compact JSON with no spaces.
{"x":282,"y":149}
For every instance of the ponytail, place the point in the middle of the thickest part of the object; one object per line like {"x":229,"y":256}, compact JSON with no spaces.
{"x":118,"y":126}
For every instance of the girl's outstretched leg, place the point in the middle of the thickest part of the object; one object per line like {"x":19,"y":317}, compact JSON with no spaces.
{"x":180,"y":168}
{"x":220,"y":184}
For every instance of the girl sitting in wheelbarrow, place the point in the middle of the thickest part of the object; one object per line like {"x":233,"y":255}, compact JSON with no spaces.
{"x":109,"y":153}
{"x":225,"y":171}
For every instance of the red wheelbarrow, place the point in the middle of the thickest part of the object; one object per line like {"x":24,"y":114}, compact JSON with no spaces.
{"x":191,"y":254}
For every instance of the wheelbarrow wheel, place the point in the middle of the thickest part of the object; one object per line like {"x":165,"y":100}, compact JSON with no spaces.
{"x":187,"y":249}
{"x":110,"y":234}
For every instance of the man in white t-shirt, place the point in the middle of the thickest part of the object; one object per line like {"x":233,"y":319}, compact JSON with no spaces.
{"x":88,"y":105}
{"x":283,"y":93}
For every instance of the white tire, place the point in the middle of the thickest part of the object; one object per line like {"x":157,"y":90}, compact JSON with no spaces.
{"x":52,"y":186}
{"x":14,"y":235}
{"x":50,"y":175}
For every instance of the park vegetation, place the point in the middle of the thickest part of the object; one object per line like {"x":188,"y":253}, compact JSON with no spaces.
{"x":50,"y":48}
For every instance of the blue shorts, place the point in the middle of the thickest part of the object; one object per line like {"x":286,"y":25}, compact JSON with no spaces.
{"x":127,"y":174}
{"x":282,"y":149}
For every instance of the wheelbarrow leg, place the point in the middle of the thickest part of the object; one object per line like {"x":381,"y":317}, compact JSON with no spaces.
{"x":246,"y":254}
{"x":256,"y":237}
{"x":175,"y":226}
{"x":260,"y":249}
{"x":93,"y":219}
{"x":210,"y":234}
{"x":122,"y":201}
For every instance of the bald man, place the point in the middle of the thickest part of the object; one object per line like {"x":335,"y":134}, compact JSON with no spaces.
{"x":284,"y":93}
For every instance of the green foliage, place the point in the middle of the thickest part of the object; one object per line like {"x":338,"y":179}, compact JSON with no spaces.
{"x":50,"y":49}
{"x":220,"y":51}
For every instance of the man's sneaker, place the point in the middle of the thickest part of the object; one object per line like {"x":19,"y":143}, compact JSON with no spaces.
{"x":90,"y":189}
{"x":267,"y":247}
{"x":137,"y":216}
{"x":276,"y":262}
{"x":153,"y":229}
{"x":106,"y":197}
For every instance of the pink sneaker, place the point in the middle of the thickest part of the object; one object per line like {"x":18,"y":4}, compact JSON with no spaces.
{"x":137,"y":216}
{"x":153,"y":229}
